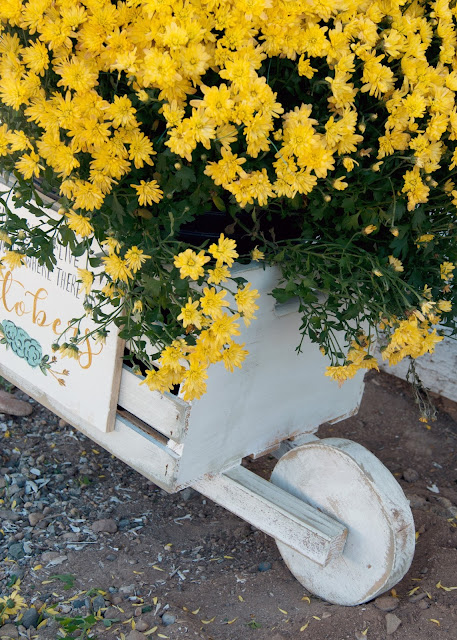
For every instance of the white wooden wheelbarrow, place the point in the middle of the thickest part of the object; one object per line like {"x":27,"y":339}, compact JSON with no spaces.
{"x":340,"y":519}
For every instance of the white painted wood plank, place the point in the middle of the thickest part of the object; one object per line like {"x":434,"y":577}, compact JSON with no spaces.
{"x":148,"y":455}
{"x":276,"y":513}
{"x":164,"y":412}
{"x":276,"y":394}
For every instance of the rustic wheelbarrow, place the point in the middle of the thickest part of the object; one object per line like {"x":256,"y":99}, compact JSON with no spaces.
{"x":340,"y":519}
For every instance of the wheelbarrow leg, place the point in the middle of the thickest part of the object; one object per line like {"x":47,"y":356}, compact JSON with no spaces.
{"x":278,"y":513}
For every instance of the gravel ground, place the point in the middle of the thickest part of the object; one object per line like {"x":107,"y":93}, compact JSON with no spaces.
{"x":97,"y":551}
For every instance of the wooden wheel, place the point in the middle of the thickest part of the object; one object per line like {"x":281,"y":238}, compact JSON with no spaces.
{"x":347,"y":482}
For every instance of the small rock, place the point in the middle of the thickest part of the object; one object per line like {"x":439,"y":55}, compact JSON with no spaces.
{"x":7,"y":514}
{"x":264,"y":566}
{"x":359,"y":635}
{"x":417,"y":502}
{"x":410,"y":475}
{"x":106,"y":525}
{"x":35,"y":518}
{"x":98,"y":603}
{"x":12,"y":406}
{"x":386,"y":603}
{"x":110,"y":557}
{"x":127,"y":588}
{"x":187,"y":493}
{"x":417,"y":597}
{"x":112,"y":613}
{"x":424,"y":604}
{"x":392,"y":623}
{"x":16,"y":551}
{"x":9,"y":631}
{"x":30,"y":618}
{"x":62,"y":423}
{"x":141,"y":625}
{"x":168,"y":619}
{"x":136,"y":635}
{"x":47,"y":556}
{"x":56,"y":561}
{"x":78,"y":604}
{"x":325,"y":615}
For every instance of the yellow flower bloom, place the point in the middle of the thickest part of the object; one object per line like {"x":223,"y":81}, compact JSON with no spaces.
{"x":29,"y":165}
{"x":257,"y":255}
{"x":117,"y":268}
{"x":369,"y":229}
{"x":444,"y":305}
{"x":396,"y":264}
{"x":13,"y":259}
{"x":12,"y":604}
{"x":339,"y":184}
{"x":87,"y":279}
{"x":4,"y":237}
{"x":194,"y":385}
{"x":79,"y":224}
{"x":212,"y":302}
{"x":245,"y":302}
{"x":234,"y":355}
{"x":137,"y":307}
{"x":219,"y":274}
{"x":190,"y":315}
{"x":446,"y":269}
{"x":224,"y":251}
{"x":135,"y":258}
{"x":191,"y":264}
{"x":148,"y":192}
{"x":424,"y":238}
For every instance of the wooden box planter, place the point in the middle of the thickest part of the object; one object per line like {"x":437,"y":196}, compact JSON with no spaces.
{"x":341,"y":521}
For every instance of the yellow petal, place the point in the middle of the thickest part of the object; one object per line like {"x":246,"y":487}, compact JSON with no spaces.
{"x":305,"y":626}
{"x":282,"y":611}
{"x":435,"y":621}
{"x":208,"y":621}
{"x":153,"y":630}
{"x":306,"y":599}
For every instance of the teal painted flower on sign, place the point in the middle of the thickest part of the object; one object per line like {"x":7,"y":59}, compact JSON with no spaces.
{"x":21,"y":343}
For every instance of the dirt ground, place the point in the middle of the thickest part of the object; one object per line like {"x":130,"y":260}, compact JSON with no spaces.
{"x":94,"y":544}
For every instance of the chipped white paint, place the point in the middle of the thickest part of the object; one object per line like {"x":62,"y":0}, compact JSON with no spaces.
{"x":436,"y":370}
{"x":277,"y":513}
{"x":162,"y":411}
{"x":345,"y":481}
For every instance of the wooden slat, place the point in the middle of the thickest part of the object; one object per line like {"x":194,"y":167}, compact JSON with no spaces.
{"x":164,"y":412}
{"x":277,"y":513}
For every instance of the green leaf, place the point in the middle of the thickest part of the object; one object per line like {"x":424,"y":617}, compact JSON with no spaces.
{"x":218,"y":202}
{"x":67,"y":578}
{"x":282,"y":295}
{"x":184,"y":178}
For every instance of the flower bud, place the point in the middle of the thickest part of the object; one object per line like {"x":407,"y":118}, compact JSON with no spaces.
{"x":327,"y":198}
{"x":178,"y":166}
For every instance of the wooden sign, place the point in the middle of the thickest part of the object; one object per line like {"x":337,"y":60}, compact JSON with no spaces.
{"x":36,"y":306}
